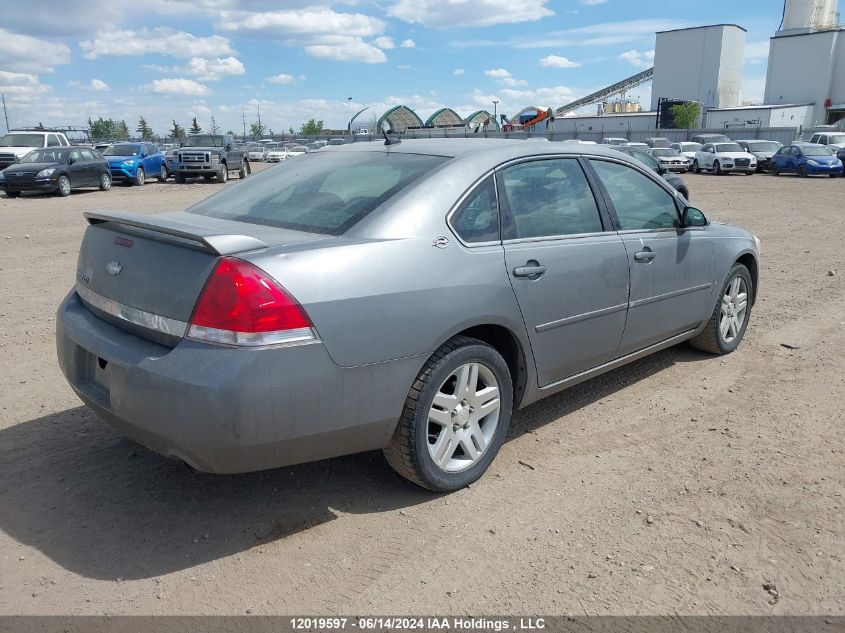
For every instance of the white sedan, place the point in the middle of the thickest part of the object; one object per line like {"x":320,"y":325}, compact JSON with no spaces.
{"x":721,"y":158}
{"x":276,"y":155}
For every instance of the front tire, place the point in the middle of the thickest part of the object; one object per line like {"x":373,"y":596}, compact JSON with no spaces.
{"x":223,"y":174}
{"x":180,"y":178}
{"x":140,"y":177}
{"x":13,"y":194}
{"x":456,"y":417}
{"x":105,"y":182}
{"x":695,"y":167}
{"x":64,"y":186}
{"x":717,"y":168}
{"x":727,"y":324}
{"x":775,"y":170}
{"x":802,"y":171}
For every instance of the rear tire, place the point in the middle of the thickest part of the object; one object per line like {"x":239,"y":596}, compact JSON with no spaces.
{"x":105,"y":182}
{"x":714,"y":338}
{"x":162,"y":174}
{"x":438,"y":419}
{"x":242,"y":172}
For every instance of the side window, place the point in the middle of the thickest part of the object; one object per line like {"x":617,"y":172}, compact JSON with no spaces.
{"x":548,"y":198}
{"x":53,"y":141}
{"x":640,"y":203}
{"x":87,"y":154}
{"x":477,"y":219}
{"x":75,"y":155}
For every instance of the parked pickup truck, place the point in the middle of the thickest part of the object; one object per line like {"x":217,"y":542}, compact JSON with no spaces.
{"x":18,"y":143}
{"x":210,"y":156}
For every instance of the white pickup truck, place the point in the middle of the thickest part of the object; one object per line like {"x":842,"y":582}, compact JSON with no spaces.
{"x":18,"y":143}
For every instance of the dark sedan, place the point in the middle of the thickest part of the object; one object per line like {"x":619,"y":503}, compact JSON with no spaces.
{"x":653,"y":164}
{"x":56,"y":169}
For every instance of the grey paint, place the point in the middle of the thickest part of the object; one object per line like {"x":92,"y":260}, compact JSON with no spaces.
{"x":383,"y":297}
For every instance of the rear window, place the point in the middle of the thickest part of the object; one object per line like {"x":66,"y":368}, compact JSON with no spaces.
{"x":320,"y":193}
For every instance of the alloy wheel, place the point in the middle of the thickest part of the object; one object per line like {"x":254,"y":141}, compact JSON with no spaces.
{"x":463,"y":417}
{"x":733,"y":310}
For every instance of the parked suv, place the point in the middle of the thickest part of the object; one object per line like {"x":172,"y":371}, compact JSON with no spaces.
{"x":210,"y":156}
{"x":722,"y":158}
{"x":710,"y":138}
{"x":18,"y":143}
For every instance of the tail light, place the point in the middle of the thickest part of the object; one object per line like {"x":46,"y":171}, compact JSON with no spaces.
{"x":242,"y":305}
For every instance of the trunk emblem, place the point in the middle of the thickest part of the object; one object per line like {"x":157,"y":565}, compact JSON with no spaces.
{"x":113,"y":268}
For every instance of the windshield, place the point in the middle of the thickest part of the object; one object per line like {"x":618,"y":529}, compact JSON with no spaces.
{"x":203,"y":140}
{"x":22,"y":140}
{"x":728,"y":147}
{"x":320,"y":193}
{"x":816,"y":151}
{"x":665,"y":151}
{"x":123,"y":149}
{"x":768,"y":146}
{"x":690,"y":147}
{"x":51,"y":155}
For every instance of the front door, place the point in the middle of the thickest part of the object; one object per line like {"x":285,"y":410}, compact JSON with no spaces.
{"x":671,"y":267}
{"x":567,"y":267}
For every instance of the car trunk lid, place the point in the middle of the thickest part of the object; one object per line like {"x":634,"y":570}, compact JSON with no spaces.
{"x":145,"y":273}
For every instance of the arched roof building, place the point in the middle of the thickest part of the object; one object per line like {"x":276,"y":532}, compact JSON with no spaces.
{"x":481,"y":119}
{"x":444,"y":117}
{"x":400,"y":118}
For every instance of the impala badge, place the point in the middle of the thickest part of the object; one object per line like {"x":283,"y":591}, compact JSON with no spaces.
{"x":113,"y":268}
{"x":441,"y":241}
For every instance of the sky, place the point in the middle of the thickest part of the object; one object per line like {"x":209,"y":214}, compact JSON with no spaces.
{"x":62,"y":62}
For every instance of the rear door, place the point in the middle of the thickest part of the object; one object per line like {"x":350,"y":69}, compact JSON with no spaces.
{"x":671,"y":267}
{"x":567,"y":267}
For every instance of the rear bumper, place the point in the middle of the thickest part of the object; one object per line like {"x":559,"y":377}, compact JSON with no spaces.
{"x":226,"y":410}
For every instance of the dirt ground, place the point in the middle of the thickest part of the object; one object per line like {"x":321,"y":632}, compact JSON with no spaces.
{"x":678,"y":484}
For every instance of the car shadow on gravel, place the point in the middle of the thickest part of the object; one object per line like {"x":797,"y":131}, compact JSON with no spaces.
{"x":104,"y":507}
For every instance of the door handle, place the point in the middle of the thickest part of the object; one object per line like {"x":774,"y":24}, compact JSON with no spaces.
{"x":645,"y":255}
{"x":532,"y":268}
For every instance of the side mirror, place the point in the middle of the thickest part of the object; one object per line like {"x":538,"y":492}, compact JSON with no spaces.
{"x":661,"y":170}
{"x":693,"y":217}
{"x":71,"y":160}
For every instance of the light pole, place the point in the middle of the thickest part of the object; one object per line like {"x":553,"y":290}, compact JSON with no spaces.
{"x":349,"y":105}
{"x":495,"y":118}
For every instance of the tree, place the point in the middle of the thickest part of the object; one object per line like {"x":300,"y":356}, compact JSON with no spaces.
{"x":311,"y":128}
{"x":102,"y":129}
{"x":178,"y":132}
{"x":143,"y":129}
{"x":122,"y":131}
{"x":256,"y":130}
{"x":195,"y":127}
{"x":231,"y":132}
{"x":290,"y":129}
{"x":686,"y":114}
{"x":215,"y":129}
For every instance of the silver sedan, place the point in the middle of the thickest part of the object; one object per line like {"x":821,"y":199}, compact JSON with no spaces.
{"x":404,"y":297}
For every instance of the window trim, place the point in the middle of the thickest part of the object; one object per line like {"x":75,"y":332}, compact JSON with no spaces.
{"x":471,"y":190}
{"x":463,"y":197}
{"x":505,"y":212}
{"x":673,"y":194}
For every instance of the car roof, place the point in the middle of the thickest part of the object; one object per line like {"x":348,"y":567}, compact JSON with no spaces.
{"x":496,"y":149}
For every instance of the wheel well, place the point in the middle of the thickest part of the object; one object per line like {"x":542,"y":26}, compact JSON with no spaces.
{"x":503,"y":341}
{"x":750,"y":262}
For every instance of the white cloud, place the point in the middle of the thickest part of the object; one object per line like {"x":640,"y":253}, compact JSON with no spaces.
{"x":467,"y":13}
{"x":346,"y":49}
{"x":213,"y":69}
{"x":24,"y":53}
{"x":403,"y":66}
{"x":287,"y":24}
{"x":384,"y":42}
{"x":281,"y":78}
{"x":640,"y":59}
{"x":591,"y":3}
{"x":185,"y":87}
{"x":76,"y":17}
{"x":458,"y":72}
{"x":497,"y":73}
{"x":510,"y":82}
{"x":22,"y":84}
{"x":160,"y":40}
{"x":98,"y":85}
{"x":556,"y":61}
{"x":409,"y":43}
{"x":756,"y":52}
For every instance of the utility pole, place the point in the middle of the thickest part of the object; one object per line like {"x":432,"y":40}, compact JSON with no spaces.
{"x":5,"y":113}
{"x":259,"y":121}
{"x":243,"y":118}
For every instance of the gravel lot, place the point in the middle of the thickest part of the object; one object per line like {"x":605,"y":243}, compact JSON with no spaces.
{"x":678,"y":484}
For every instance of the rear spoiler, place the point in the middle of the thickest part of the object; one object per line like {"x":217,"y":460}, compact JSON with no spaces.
{"x":210,"y":240}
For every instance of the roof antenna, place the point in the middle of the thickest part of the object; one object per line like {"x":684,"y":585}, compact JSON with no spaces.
{"x":384,"y":128}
